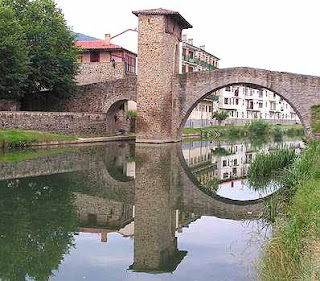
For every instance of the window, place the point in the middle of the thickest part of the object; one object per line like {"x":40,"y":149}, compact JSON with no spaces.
{"x":260,"y":104}
{"x":183,"y":68}
{"x":94,"y":56}
{"x":260,"y":94}
{"x":225,"y":175}
{"x":190,"y":69}
{"x":225,"y":100}
{"x":228,"y":89}
{"x":237,"y":101}
{"x":224,"y":163}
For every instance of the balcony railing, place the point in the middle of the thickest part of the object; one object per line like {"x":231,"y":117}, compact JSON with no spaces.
{"x":198,"y":62}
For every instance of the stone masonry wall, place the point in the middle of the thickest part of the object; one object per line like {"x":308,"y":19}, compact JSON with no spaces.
{"x":55,"y":122}
{"x":94,"y":72}
{"x":95,"y":98}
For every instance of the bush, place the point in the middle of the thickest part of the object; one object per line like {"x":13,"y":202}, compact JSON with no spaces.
{"x":259,"y":127}
{"x":220,"y":116}
{"x":132,"y":114}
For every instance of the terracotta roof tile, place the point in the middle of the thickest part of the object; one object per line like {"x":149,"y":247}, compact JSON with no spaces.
{"x":98,"y":44}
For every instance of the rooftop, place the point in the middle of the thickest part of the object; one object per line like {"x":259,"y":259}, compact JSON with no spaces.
{"x":174,"y":14}
{"x":98,"y":45}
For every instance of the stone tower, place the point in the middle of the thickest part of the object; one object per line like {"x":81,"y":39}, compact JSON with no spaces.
{"x":158,"y":62}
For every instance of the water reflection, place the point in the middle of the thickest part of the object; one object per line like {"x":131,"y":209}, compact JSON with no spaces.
{"x":222,"y":166}
{"x":115,"y":211}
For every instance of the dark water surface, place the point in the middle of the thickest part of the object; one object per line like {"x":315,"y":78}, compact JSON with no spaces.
{"x":122,"y":211}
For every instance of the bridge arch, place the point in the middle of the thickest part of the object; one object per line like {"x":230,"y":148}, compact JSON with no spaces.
{"x":299,"y":91}
{"x":196,"y":200}
{"x":117,"y":115}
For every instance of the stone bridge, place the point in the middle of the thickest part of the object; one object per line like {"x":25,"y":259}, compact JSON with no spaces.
{"x":165,"y":98}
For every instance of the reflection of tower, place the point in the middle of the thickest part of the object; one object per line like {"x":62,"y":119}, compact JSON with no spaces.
{"x":155,"y":244}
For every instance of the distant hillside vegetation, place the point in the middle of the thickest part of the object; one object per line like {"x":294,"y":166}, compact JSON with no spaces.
{"x":83,"y":37}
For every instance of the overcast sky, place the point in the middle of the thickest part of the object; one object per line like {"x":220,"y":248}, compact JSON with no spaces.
{"x":282,"y":35}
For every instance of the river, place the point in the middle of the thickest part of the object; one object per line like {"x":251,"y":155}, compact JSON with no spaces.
{"x":121,"y":211}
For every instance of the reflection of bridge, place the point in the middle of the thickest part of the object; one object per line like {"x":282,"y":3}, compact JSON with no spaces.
{"x":104,"y":199}
{"x":94,"y":170}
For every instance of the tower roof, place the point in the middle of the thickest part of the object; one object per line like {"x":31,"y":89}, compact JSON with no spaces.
{"x":173,"y":14}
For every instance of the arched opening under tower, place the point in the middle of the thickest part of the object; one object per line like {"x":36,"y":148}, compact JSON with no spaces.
{"x":121,"y":117}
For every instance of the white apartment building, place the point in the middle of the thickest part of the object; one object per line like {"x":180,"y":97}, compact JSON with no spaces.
{"x":244,"y":104}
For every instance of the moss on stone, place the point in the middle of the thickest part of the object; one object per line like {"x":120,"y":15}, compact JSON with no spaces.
{"x":315,"y":118}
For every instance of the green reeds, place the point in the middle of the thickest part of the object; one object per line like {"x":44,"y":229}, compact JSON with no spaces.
{"x":294,"y":250}
{"x":265,"y":164}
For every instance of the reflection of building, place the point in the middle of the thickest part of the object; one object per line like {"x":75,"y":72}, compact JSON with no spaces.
{"x":225,"y":160}
{"x":100,"y":215}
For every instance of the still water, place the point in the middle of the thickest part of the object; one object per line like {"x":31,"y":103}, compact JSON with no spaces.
{"x":122,"y":211}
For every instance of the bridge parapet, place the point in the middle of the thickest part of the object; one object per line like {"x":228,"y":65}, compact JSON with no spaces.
{"x":300,"y":91}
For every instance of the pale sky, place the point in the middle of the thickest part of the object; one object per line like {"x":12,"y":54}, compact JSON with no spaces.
{"x":282,"y":35}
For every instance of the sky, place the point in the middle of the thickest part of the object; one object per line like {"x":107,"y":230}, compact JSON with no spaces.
{"x":280,"y":35}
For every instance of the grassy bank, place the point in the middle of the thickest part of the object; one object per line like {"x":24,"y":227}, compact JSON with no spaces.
{"x":28,"y":154}
{"x":21,"y":138}
{"x":294,"y":250}
{"x":255,"y":128}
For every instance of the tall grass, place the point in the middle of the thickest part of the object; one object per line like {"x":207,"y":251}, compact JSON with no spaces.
{"x":315,"y":118}
{"x":290,"y":254}
{"x":265,"y":164}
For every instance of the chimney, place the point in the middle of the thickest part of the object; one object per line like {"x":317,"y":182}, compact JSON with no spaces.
{"x":190,"y":41}
{"x":202,"y":47}
{"x":184,"y":37}
{"x":107,"y":38}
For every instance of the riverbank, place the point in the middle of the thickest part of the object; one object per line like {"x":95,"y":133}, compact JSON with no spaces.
{"x":24,"y":138}
{"x":294,"y":250}
{"x":240,"y":130}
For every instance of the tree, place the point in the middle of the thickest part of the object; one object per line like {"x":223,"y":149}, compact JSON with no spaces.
{"x":220,"y":116}
{"x":13,"y":55}
{"x":53,"y":56}
{"x":36,"y":228}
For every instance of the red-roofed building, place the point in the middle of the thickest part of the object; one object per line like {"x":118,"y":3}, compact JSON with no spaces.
{"x":105,"y":51}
